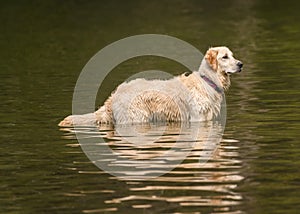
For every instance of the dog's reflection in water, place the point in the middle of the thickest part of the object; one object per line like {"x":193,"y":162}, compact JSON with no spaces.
{"x":149,"y":149}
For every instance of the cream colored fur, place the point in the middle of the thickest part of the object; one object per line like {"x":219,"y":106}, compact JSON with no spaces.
{"x":182,"y":98}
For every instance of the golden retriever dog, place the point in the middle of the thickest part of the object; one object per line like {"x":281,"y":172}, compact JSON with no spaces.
{"x":195,"y":96}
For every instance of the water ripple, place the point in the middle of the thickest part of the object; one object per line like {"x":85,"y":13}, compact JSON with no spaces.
{"x":192,"y":183}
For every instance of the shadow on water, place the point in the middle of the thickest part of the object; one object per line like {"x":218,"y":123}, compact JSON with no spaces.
{"x":187,"y":165}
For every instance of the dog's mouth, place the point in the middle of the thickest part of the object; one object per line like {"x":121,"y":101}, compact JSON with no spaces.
{"x":235,"y":69}
{"x":238,"y":70}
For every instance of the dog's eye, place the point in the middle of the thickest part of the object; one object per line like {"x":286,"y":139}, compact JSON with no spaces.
{"x":225,"y":57}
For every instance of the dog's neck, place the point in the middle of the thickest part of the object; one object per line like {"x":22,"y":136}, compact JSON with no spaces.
{"x":221,"y":80}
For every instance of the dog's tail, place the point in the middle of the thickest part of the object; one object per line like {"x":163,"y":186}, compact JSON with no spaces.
{"x":102,"y":116}
{"x":79,"y":120}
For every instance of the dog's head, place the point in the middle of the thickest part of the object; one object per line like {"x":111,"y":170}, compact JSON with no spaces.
{"x":221,"y":60}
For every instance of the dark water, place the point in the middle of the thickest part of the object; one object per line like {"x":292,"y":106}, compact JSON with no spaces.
{"x":44,"y":46}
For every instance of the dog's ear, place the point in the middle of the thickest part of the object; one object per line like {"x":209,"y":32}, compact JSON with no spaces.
{"x":211,"y":58}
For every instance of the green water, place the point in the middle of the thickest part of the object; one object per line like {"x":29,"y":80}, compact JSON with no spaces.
{"x":44,"y":46}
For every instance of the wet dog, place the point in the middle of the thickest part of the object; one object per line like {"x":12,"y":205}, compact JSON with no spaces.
{"x":194,"y":96}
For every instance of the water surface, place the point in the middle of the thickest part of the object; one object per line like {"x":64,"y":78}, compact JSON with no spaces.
{"x":44,"y":46}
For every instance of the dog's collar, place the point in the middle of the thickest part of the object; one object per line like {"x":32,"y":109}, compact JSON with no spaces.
{"x":212,"y":84}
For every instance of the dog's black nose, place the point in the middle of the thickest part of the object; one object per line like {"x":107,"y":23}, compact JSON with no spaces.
{"x":240,"y":64}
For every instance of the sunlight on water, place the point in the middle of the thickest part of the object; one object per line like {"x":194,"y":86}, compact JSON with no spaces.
{"x":196,"y":180}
